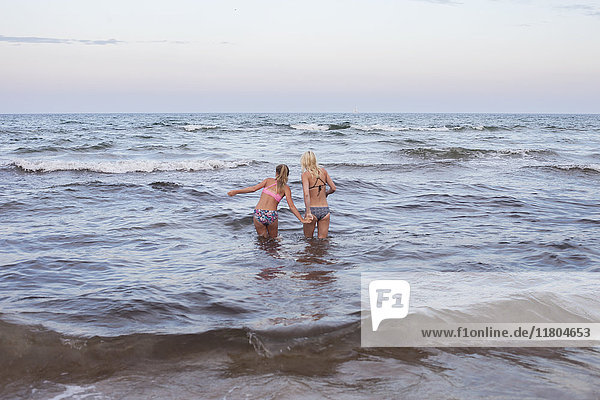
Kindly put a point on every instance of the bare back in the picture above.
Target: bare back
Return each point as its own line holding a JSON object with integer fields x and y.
{"x": 267, "y": 202}
{"x": 317, "y": 187}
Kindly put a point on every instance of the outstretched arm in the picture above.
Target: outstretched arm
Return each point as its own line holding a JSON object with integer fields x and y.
{"x": 306, "y": 192}
{"x": 249, "y": 189}
{"x": 293, "y": 209}
{"x": 329, "y": 181}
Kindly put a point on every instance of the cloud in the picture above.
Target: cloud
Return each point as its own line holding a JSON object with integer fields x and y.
{"x": 100, "y": 42}
{"x": 46, "y": 40}
{"x": 584, "y": 8}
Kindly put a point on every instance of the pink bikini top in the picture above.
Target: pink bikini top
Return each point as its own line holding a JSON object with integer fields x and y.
{"x": 274, "y": 195}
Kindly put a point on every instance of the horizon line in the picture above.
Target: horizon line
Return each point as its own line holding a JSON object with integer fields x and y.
{"x": 301, "y": 112}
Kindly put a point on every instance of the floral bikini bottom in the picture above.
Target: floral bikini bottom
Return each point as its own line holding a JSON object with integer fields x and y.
{"x": 265, "y": 217}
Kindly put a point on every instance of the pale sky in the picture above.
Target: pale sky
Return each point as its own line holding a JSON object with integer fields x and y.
{"x": 300, "y": 56}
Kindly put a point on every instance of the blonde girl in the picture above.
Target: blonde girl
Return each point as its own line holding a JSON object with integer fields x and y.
{"x": 315, "y": 180}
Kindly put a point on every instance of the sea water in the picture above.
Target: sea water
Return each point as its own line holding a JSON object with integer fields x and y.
{"x": 127, "y": 272}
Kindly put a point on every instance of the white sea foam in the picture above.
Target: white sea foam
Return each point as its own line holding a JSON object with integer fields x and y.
{"x": 193, "y": 128}
{"x": 442, "y": 128}
{"x": 124, "y": 166}
{"x": 389, "y": 128}
{"x": 310, "y": 127}
{"x": 376, "y": 127}
{"x": 75, "y": 392}
{"x": 429, "y": 129}
{"x": 425, "y": 129}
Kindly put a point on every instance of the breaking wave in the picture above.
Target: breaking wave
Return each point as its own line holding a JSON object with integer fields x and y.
{"x": 194, "y": 128}
{"x": 390, "y": 128}
{"x": 586, "y": 168}
{"x": 35, "y": 352}
{"x": 465, "y": 153}
{"x": 125, "y": 166}
{"x": 321, "y": 127}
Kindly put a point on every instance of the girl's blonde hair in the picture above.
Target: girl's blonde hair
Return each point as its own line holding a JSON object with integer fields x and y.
{"x": 309, "y": 163}
{"x": 281, "y": 174}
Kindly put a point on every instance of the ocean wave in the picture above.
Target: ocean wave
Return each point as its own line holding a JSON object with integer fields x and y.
{"x": 125, "y": 166}
{"x": 377, "y": 166}
{"x": 555, "y": 128}
{"x": 159, "y": 123}
{"x": 375, "y": 127}
{"x": 157, "y": 147}
{"x": 11, "y": 205}
{"x": 534, "y": 153}
{"x": 451, "y": 128}
{"x": 458, "y": 153}
{"x": 42, "y": 149}
{"x": 194, "y": 128}
{"x": 391, "y": 128}
{"x": 165, "y": 186}
{"x": 52, "y": 149}
{"x": 321, "y": 127}
{"x": 35, "y": 352}
{"x": 490, "y": 128}
{"x": 586, "y": 168}
{"x": 97, "y": 146}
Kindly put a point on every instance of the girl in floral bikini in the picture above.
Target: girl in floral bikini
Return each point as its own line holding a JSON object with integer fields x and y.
{"x": 265, "y": 213}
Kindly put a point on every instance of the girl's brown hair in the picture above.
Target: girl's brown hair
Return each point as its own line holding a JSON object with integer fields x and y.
{"x": 281, "y": 174}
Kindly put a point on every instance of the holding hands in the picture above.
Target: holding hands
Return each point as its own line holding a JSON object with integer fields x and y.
{"x": 308, "y": 218}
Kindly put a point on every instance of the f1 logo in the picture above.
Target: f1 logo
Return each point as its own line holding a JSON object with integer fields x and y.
{"x": 389, "y": 299}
